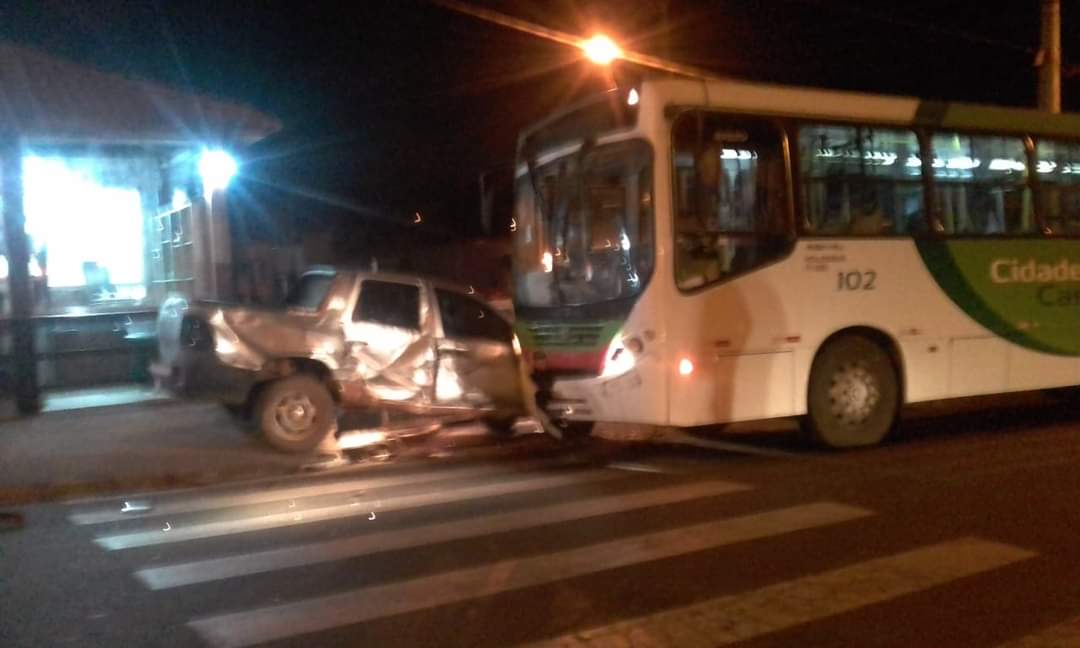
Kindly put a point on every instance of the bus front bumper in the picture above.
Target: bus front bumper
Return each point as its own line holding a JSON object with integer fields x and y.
{"x": 636, "y": 396}
{"x": 569, "y": 409}
{"x": 568, "y": 400}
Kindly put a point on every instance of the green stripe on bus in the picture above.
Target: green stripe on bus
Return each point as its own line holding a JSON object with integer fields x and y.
{"x": 965, "y": 116}
{"x": 1026, "y": 291}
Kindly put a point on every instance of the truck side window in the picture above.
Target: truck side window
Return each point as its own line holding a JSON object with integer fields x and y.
{"x": 389, "y": 303}
{"x": 310, "y": 292}
{"x": 463, "y": 317}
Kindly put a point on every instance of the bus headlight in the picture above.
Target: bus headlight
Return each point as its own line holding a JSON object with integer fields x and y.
{"x": 686, "y": 366}
{"x": 620, "y": 356}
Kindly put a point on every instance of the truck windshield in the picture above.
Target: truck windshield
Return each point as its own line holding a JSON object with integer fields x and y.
{"x": 309, "y": 292}
{"x": 584, "y": 226}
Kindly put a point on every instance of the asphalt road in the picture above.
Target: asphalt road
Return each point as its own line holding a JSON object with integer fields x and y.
{"x": 965, "y": 531}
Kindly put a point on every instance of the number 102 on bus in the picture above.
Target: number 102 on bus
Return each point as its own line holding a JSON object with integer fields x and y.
{"x": 856, "y": 279}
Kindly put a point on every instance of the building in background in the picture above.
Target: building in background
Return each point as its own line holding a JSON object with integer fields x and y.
{"x": 113, "y": 198}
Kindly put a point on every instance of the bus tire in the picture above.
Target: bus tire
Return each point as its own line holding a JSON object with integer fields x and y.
{"x": 1063, "y": 395}
{"x": 295, "y": 413}
{"x": 501, "y": 427}
{"x": 575, "y": 430}
{"x": 854, "y": 394}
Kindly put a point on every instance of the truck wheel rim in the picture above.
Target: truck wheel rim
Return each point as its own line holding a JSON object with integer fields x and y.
{"x": 295, "y": 413}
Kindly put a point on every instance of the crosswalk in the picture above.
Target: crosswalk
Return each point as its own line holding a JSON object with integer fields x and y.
{"x": 806, "y": 599}
{"x": 636, "y": 517}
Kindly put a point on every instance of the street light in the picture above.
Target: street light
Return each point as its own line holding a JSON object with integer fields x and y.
{"x": 601, "y": 50}
{"x": 217, "y": 168}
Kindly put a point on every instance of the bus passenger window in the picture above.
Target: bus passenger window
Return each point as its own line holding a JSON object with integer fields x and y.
{"x": 731, "y": 197}
{"x": 1058, "y": 171}
{"x": 860, "y": 181}
{"x": 980, "y": 184}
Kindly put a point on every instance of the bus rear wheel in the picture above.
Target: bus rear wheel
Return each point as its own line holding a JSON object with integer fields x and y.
{"x": 854, "y": 394}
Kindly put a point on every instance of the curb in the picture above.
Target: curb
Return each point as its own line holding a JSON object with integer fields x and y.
{"x": 45, "y": 493}
{"x": 55, "y": 492}
{"x": 407, "y": 459}
{"x": 149, "y": 403}
{"x": 119, "y": 408}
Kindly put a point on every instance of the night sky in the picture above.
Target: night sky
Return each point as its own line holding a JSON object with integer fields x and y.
{"x": 391, "y": 106}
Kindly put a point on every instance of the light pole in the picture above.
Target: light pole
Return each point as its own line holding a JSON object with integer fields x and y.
{"x": 1049, "y": 59}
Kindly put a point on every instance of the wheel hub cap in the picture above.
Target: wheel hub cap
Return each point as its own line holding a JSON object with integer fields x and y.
{"x": 854, "y": 394}
{"x": 295, "y": 413}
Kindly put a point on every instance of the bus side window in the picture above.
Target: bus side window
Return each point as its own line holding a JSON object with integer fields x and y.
{"x": 981, "y": 184}
{"x": 860, "y": 181}
{"x": 730, "y": 196}
{"x": 1059, "y": 185}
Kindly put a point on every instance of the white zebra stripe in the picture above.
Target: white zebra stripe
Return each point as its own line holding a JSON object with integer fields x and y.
{"x": 730, "y": 619}
{"x": 195, "y": 501}
{"x": 319, "y": 552}
{"x": 369, "y": 506}
{"x": 1062, "y": 635}
{"x": 356, "y": 606}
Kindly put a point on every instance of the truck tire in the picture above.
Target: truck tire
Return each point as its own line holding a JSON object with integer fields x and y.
{"x": 239, "y": 414}
{"x": 296, "y": 413}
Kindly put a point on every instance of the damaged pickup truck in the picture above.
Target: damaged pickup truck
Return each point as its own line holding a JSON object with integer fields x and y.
{"x": 344, "y": 339}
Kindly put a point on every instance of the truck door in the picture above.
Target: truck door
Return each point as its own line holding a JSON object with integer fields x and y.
{"x": 390, "y": 343}
{"x": 477, "y": 365}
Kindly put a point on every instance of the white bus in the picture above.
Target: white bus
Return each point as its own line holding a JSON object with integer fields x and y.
{"x": 695, "y": 252}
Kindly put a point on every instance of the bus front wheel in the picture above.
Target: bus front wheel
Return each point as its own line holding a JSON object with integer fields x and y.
{"x": 573, "y": 431}
{"x": 854, "y": 394}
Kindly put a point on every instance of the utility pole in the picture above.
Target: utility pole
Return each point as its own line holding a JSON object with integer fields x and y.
{"x": 665, "y": 25}
{"x": 1049, "y": 58}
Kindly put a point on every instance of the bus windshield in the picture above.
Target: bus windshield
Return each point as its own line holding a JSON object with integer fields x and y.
{"x": 584, "y": 226}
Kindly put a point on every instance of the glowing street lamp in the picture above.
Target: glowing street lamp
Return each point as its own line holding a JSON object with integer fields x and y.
{"x": 601, "y": 50}
{"x": 217, "y": 168}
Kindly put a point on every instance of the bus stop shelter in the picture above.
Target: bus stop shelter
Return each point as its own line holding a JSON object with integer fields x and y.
{"x": 112, "y": 197}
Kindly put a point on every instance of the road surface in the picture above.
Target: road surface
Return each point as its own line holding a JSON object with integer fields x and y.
{"x": 962, "y": 532}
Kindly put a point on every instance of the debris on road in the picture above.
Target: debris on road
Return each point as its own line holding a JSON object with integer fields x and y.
{"x": 11, "y": 521}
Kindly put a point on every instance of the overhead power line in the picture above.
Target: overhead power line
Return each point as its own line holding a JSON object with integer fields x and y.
{"x": 936, "y": 30}
{"x": 1068, "y": 70}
